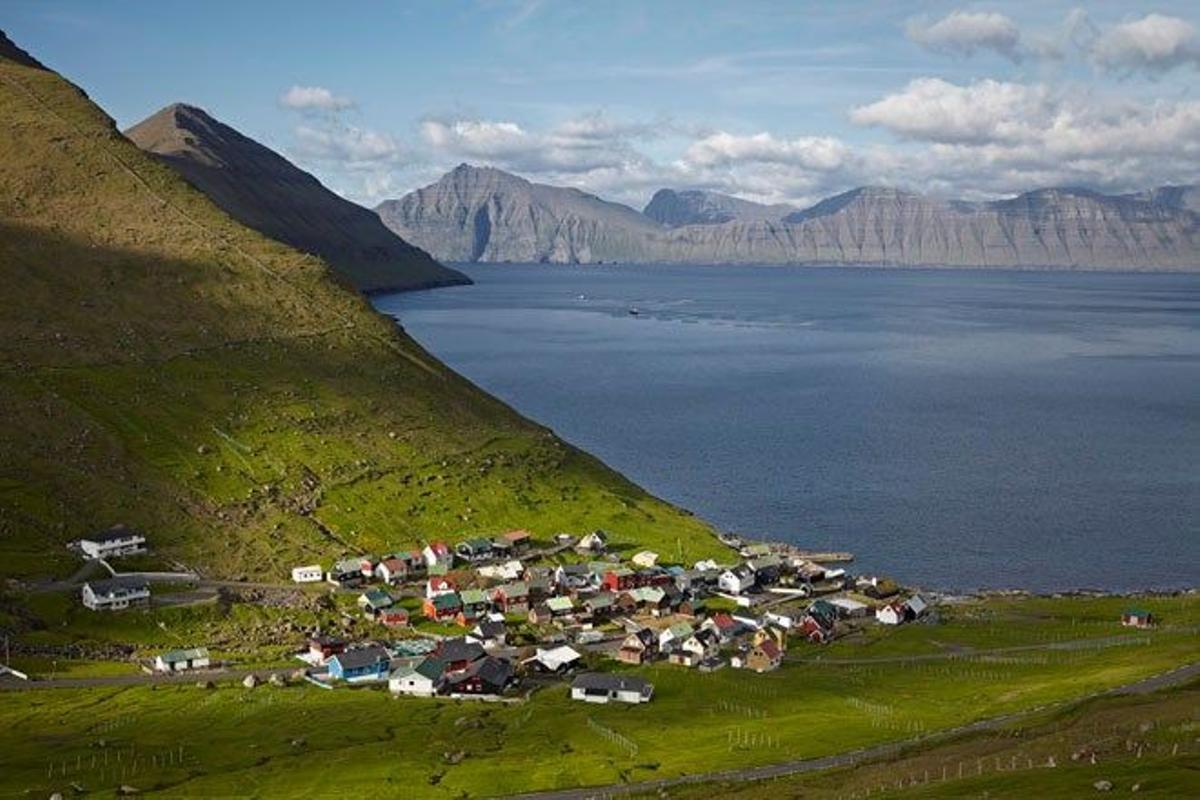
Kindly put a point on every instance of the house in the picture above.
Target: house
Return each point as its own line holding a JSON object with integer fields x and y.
{"x": 764, "y": 656}
{"x": 116, "y": 541}
{"x": 824, "y": 612}
{"x": 489, "y": 675}
{"x": 394, "y": 617}
{"x": 366, "y": 566}
{"x": 619, "y": 579}
{"x": 767, "y": 569}
{"x": 520, "y": 541}
{"x": 736, "y": 580}
{"x": 374, "y": 600}
{"x": 570, "y": 577}
{"x": 361, "y": 664}
{"x": 683, "y": 658}
{"x": 724, "y": 625}
{"x": 915, "y": 607}
{"x": 437, "y": 554}
{"x": 489, "y": 633}
{"x": 891, "y": 614}
{"x": 323, "y": 648}
{"x": 815, "y": 629}
{"x": 755, "y": 550}
{"x": 809, "y": 572}
{"x": 392, "y": 570}
{"x": 555, "y": 659}
{"x": 785, "y": 621}
{"x": 475, "y": 604}
{"x": 446, "y": 605}
{"x": 1137, "y": 618}
{"x": 458, "y": 653}
{"x": 600, "y": 687}
{"x": 438, "y": 584}
{"x": 594, "y": 542}
{"x": 879, "y": 588}
{"x": 501, "y": 548}
{"x": 703, "y": 644}
{"x": 413, "y": 561}
{"x": 848, "y": 608}
{"x": 646, "y": 558}
{"x": 678, "y": 632}
{"x": 648, "y": 598}
{"x": 512, "y": 598}
{"x": 180, "y": 660}
{"x": 553, "y": 608}
{"x": 600, "y": 605}
{"x": 347, "y": 572}
{"x": 311, "y": 573}
{"x": 423, "y": 679}
{"x": 115, "y": 594}
{"x": 508, "y": 571}
{"x": 474, "y": 550}
{"x": 638, "y": 647}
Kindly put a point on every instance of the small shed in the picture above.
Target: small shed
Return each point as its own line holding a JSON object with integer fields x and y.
{"x": 180, "y": 660}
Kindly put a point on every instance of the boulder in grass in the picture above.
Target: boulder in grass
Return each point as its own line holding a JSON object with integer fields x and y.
{"x": 1102, "y": 786}
{"x": 277, "y": 680}
{"x": 250, "y": 681}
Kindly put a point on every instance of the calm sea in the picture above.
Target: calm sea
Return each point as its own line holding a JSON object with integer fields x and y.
{"x": 955, "y": 429}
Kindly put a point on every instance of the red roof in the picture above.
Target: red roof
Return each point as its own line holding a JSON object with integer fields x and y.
{"x": 516, "y": 536}
{"x": 393, "y": 564}
{"x": 441, "y": 548}
{"x": 770, "y": 649}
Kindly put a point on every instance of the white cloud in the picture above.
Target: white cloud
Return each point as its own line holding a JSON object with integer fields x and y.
{"x": 964, "y": 33}
{"x": 1154, "y": 43}
{"x": 347, "y": 145}
{"x": 936, "y": 110}
{"x": 304, "y": 98}
{"x": 821, "y": 153}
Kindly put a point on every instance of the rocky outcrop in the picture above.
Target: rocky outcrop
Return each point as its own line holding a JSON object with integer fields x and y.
{"x": 264, "y": 191}
{"x": 483, "y": 214}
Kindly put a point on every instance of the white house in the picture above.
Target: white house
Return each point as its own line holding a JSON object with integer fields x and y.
{"x": 438, "y": 553}
{"x": 785, "y": 621}
{"x": 555, "y": 659}
{"x": 422, "y": 680}
{"x": 179, "y": 660}
{"x": 116, "y": 541}
{"x": 594, "y": 542}
{"x": 508, "y": 571}
{"x": 311, "y": 573}
{"x": 599, "y": 687}
{"x": 646, "y": 559}
{"x": 891, "y": 614}
{"x": 736, "y": 580}
{"x": 115, "y": 594}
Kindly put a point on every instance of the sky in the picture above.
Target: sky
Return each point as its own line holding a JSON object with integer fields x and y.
{"x": 772, "y": 101}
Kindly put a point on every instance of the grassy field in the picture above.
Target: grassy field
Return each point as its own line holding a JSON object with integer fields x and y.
{"x": 238, "y": 741}
{"x": 165, "y": 367}
{"x": 1147, "y": 741}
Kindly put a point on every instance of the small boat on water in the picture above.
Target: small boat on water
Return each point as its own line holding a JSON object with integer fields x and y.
{"x": 633, "y": 312}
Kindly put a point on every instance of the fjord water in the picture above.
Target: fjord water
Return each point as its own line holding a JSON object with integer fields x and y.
{"x": 960, "y": 429}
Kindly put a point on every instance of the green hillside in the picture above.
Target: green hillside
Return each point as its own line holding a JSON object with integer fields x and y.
{"x": 166, "y": 367}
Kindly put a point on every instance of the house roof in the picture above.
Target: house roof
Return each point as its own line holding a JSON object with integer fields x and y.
{"x": 477, "y": 543}
{"x": 361, "y": 657}
{"x": 610, "y": 682}
{"x": 518, "y": 535}
{"x": 600, "y": 600}
{"x": 348, "y": 565}
{"x": 444, "y": 601}
{"x": 490, "y": 629}
{"x": 119, "y": 585}
{"x": 560, "y": 603}
{"x": 768, "y": 648}
{"x": 647, "y": 594}
{"x": 917, "y": 604}
{"x": 473, "y": 597}
{"x": 491, "y": 670}
{"x": 393, "y": 564}
{"x": 113, "y": 534}
{"x": 514, "y": 589}
{"x": 376, "y": 598}
{"x": 556, "y": 657}
{"x": 185, "y": 654}
{"x": 460, "y": 649}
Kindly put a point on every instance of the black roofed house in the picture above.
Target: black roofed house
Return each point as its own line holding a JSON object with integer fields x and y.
{"x": 458, "y": 653}
{"x": 116, "y": 541}
{"x": 115, "y": 594}
{"x": 322, "y": 648}
{"x": 488, "y": 675}
{"x": 347, "y": 572}
{"x": 478, "y": 549}
{"x": 915, "y": 607}
{"x": 489, "y": 633}
{"x": 423, "y": 679}
{"x": 601, "y": 687}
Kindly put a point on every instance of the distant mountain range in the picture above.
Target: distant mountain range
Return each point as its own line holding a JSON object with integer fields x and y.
{"x": 262, "y": 190}
{"x": 485, "y": 214}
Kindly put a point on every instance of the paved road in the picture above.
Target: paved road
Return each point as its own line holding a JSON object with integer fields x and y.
{"x": 853, "y": 757}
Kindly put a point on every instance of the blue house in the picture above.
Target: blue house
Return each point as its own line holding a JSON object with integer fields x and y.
{"x": 363, "y": 664}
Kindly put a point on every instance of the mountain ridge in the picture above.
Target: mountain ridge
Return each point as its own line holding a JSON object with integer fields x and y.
{"x": 463, "y": 218}
{"x": 262, "y": 189}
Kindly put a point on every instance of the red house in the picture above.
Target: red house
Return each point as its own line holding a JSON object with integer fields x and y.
{"x": 443, "y": 606}
{"x": 392, "y": 617}
{"x": 325, "y": 647}
{"x": 620, "y": 580}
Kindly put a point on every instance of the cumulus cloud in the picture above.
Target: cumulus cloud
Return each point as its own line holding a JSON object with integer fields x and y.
{"x": 1154, "y": 43}
{"x": 314, "y": 98}
{"x": 937, "y": 110}
{"x": 347, "y": 145}
{"x": 821, "y": 153}
{"x": 965, "y": 33}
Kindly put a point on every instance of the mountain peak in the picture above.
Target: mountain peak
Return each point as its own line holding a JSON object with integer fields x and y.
{"x": 675, "y": 208}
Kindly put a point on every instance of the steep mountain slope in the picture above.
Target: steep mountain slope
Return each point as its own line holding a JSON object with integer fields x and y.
{"x": 695, "y": 207}
{"x": 165, "y": 366}
{"x": 263, "y": 190}
{"x": 485, "y": 214}
{"x": 1048, "y": 228}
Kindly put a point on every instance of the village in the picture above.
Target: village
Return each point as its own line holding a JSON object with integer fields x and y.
{"x": 487, "y": 616}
